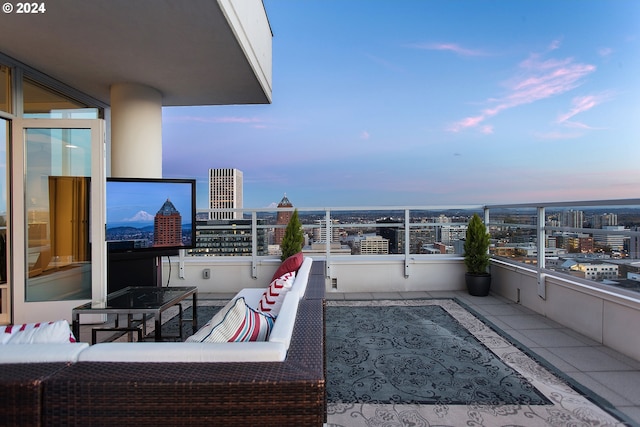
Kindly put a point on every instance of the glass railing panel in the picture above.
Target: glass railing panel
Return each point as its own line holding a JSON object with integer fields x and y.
{"x": 513, "y": 234}
{"x": 439, "y": 231}
{"x": 366, "y": 232}
{"x": 361, "y": 231}
{"x": 595, "y": 241}
{"x": 601, "y": 243}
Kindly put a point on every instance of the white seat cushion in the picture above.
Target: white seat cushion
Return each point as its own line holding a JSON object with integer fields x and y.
{"x": 41, "y": 353}
{"x": 150, "y": 352}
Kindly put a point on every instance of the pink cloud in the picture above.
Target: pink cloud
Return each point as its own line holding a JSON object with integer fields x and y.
{"x": 605, "y": 51}
{"x": 236, "y": 120}
{"x": 467, "y": 123}
{"x": 537, "y": 80}
{"x": 580, "y": 105}
{"x": 228, "y": 119}
{"x": 451, "y": 47}
{"x": 487, "y": 129}
{"x": 554, "y": 45}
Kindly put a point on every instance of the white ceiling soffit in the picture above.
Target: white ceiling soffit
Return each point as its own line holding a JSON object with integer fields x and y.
{"x": 195, "y": 52}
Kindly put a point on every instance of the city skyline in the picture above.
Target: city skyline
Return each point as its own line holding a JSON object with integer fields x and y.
{"x": 422, "y": 103}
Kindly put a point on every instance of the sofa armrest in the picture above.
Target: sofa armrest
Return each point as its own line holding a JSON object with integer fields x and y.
{"x": 302, "y": 277}
{"x": 285, "y": 322}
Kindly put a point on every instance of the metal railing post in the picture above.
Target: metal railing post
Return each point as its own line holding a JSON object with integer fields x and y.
{"x": 254, "y": 244}
{"x": 327, "y": 217}
{"x": 407, "y": 245}
{"x": 541, "y": 237}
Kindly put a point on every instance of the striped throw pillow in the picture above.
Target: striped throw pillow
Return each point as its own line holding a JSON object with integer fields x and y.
{"x": 241, "y": 323}
{"x": 272, "y": 298}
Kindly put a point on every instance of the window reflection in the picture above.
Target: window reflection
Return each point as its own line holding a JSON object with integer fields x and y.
{"x": 58, "y": 167}
{"x": 5, "y": 89}
{"x": 41, "y": 102}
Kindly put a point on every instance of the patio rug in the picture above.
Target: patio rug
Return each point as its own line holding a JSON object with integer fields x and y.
{"x": 432, "y": 362}
{"x": 415, "y": 354}
{"x": 461, "y": 341}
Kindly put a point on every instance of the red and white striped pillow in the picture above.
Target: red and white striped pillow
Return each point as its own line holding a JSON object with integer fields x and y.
{"x": 38, "y": 333}
{"x": 240, "y": 323}
{"x": 272, "y": 298}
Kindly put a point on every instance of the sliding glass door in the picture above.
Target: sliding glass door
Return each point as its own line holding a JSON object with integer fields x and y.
{"x": 59, "y": 212}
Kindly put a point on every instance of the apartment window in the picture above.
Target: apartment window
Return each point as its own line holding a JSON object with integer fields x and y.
{"x": 5, "y": 88}
{"x": 41, "y": 102}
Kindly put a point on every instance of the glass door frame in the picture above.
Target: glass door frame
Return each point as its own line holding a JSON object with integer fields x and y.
{"x": 5, "y": 288}
{"x": 27, "y": 312}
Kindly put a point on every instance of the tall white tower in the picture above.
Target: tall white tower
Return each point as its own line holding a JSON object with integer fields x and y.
{"x": 225, "y": 192}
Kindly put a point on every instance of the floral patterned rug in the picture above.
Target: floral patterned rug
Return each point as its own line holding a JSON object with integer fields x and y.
{"x": 453, "y": 378}
{"x": 415, "y": 354}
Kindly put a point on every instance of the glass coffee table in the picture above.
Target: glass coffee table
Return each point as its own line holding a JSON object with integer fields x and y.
{"x": 145, "y": 300}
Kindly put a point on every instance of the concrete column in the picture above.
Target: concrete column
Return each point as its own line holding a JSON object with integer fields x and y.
{"x": 136, "y": 131}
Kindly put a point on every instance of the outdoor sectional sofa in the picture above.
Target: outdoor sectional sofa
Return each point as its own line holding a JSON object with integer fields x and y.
{"x": 190, "y": 392}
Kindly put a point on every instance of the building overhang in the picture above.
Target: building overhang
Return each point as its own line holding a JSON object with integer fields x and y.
{"x": 196, "y": 52}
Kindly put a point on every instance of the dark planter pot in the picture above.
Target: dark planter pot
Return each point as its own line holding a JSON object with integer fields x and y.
{"x": 478, "y": 285}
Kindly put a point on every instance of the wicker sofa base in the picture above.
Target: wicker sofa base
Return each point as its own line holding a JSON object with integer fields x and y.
{"x": 21, "y": 386}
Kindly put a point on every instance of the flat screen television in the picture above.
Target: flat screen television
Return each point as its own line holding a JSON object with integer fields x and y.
{"x": 150, "y": 215}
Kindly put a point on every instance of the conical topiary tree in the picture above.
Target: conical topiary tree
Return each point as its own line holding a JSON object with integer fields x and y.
{"x": 476, "y": 246}
{"x": 293, "y": 238}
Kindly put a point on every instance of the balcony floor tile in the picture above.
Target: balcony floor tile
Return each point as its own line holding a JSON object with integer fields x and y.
{"x": 590, "y": 359}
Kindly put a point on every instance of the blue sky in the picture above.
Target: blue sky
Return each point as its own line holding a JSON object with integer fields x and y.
{"x": 408, "y": 102}
{"x": 140, "y": 201}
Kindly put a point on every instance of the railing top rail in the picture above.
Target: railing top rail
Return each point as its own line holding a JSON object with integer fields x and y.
{"x": 614, "y": 202}
{"x": 349, "y": 208}
{"x": 575, "y": 203}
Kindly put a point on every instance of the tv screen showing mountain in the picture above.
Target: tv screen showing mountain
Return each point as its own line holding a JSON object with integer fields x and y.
{"x": 150, "y": 214}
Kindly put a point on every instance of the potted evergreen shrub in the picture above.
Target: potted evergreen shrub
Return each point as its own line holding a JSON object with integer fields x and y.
{"x": 476, "y": 258}
{"x": 293, "y": 238}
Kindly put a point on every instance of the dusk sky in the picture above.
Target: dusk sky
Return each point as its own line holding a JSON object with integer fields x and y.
{"x": 407, "y": 102}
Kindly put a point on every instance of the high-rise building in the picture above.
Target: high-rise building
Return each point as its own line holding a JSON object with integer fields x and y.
{"x": 573, "y": 219}
{"x": 391, "y": 233}
{"x": 604, "y": 220}
{"x": 225, "y": 192}
{"x": 320, "y": 231}
{"x": 167, "y": 226}
{"x": 372, "y": 245}
{"x": 613, "y": 241}
{"x": 634, "y": 245}
{"x": 228, "y": 238}
{"x": 282, "y": 219}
